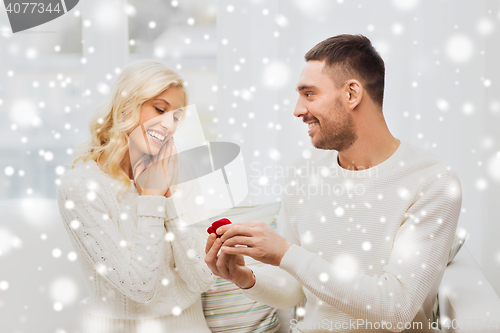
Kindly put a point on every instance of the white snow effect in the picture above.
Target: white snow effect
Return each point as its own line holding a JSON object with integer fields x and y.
{"x": 367, "y": 246}
{"x": 347, "y": 267}
{"x": 130, "y": 10}
{"x": 494, "y": 107}
{"x": 56, "y": 253}
{"x": 246, "y": 95}
{"x": 481, "y": 184}
{"x": 302, "y": 311}
{"x": 33, "y": 208}
{"x": 306, "y": 153}
{"x": 60, "y": 170}
{"x": 153, "y": 326}
{"x": 72, "y": 256}
{"x": 48, "y": 156}
{"x": 404, "y": 193}
{"x": 382, "y": 47}
{"x": 9, "y": 171}
{"x": 405, "y": 5}
{"x": 75, "y": 224}
{"x": 176, "y": 311}
{"x": 64, "y": 290}
{"x": 397, "y": 29}
{"x": 459, "y": 49}
{"x": 306, "y": 238}
{"x": 468, "y": 108}
{"x": 101, "y": 269}
{"x": 442, "y": 104}
{"x": 313, "y": 8}
{"x": 103, "y": 88}
{"x": 263, "y": 181}
{"x": 200, "y": 200}
{"x": 487, "y": 143}
{"x": 274, "y": 154}
{"x": 275, "y": 75}
{"x": 494, "y": 167}
{"x": 191, "y": 254}
{"x": 106, "y": 16}
{"x": 281, "y": 20}
{"x": 4, "y": 285}
{"x": 91, "y": 195}
{"x": 323, "y": 277}
{"x": 485, "y": 26}
{"x": 8, "y": 241}
{"x": 339, "y": 211}
{"x": 24, "y": 113}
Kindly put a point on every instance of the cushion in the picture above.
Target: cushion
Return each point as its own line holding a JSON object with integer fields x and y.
{"x": 225, "y": 307}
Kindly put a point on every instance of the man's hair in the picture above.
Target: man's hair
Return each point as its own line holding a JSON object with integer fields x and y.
{"x": 352, "y": 56}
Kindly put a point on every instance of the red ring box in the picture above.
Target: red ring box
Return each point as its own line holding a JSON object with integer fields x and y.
{"x": 219, "y": 223}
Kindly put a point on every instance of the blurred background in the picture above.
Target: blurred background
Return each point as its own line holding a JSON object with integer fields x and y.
{"x": 241, "y": 60}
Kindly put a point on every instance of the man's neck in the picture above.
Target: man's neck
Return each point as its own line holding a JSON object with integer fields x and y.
{"x": 368, "y": 151}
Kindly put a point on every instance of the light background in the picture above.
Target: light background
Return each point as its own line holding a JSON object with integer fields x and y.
{"x": 241, "y": 60}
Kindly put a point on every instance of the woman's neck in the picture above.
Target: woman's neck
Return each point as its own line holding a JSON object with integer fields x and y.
{"x": 125, "y": 165}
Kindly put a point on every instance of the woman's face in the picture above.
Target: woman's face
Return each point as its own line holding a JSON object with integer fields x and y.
{"x": 159, "y": 117}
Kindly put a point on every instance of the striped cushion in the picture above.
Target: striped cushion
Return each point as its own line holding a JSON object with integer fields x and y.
{"x": 225, "y": 307}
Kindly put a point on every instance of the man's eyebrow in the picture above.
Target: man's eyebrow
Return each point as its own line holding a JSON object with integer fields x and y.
{"x": 304, "y": 87}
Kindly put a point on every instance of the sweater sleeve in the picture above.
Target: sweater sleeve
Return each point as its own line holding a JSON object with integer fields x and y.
{"x": 273, "y": 285}
{"x": 187, "y": 226}
{"x": 418, "y": 257}
{"x": 134, "y": 270}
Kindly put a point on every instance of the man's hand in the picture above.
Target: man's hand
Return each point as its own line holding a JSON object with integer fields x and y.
{"x": 262, "y": 242}
{"x": 228, "y": 266}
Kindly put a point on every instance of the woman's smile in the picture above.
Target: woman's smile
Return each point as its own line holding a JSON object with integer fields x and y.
{"x": 156, "y": 136}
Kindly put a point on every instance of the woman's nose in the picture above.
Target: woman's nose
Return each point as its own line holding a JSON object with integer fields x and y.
{"x": 167, "y": 121}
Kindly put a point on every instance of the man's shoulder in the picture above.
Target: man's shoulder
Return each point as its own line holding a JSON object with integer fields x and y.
{"x": 425, "y": 164}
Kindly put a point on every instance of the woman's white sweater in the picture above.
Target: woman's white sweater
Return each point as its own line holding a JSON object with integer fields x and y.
{"x": 137, "y": 261}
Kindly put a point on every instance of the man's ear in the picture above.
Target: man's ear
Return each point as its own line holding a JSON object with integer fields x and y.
{"x": 354, "y": 92}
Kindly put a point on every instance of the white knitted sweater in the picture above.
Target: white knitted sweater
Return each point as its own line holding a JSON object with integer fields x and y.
{"x": 368, "y": 246}
{"x": 136, "y": 261}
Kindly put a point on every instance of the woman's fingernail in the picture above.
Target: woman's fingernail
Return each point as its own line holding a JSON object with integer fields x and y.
{"x": 219, "y": 231}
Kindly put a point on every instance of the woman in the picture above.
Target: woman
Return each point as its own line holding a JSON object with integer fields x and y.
{"x": 144, "y": 272}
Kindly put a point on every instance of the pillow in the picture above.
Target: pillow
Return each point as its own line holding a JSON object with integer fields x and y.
{"x": 225, "y": 307}
{"x": 458, "y": 241}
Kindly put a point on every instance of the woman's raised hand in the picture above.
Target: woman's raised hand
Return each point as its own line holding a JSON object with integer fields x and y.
{"x": 160, "y": 177}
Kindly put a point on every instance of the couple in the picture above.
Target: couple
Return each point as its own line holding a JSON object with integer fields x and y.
{"x": 368, "y": 260}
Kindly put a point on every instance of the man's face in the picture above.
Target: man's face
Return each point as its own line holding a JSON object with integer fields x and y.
{"x": 330, "y": 124}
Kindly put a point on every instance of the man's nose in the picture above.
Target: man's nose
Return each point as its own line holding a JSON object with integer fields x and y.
{"x": 300, "y": 110}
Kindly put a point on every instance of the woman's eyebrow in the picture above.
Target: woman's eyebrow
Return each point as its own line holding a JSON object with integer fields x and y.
{"x": 163, "y": 100}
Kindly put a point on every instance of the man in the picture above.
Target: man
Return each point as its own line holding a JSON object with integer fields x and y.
{"x": 369, "y": 250}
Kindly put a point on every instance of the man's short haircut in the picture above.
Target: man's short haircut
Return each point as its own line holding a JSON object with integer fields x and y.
{"x": 353, "y": 57}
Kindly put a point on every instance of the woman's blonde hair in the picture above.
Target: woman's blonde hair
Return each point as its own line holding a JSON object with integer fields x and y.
{"x": 111, "y": 124}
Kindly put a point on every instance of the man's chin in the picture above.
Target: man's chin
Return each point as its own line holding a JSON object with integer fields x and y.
{"x": 321, "y": 145}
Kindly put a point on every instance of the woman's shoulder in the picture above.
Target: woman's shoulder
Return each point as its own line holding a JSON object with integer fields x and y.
{"x": 83, "y": 175}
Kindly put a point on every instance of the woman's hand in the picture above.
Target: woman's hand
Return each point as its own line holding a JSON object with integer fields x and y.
{"x": 228, "y": 266}
{"x": 160, "y": 177}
